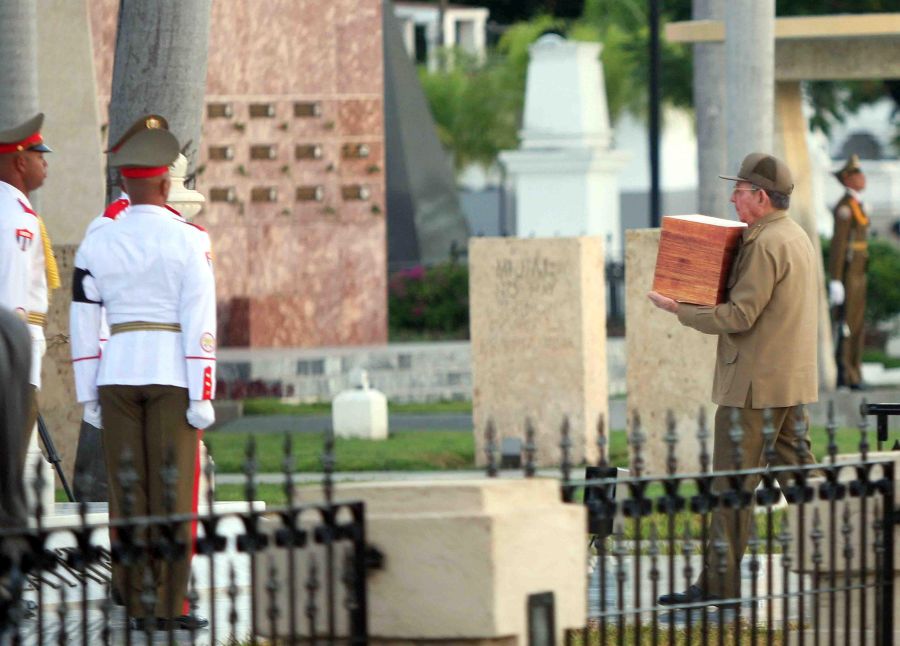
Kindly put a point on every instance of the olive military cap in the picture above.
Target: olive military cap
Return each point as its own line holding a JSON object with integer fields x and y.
{"x": 146, "y": 122}
{"x": 25, "y": 136}
{"x": 765, "y": 171}
{"x": 851, "y": 166}
{"x": 146, "y": 154}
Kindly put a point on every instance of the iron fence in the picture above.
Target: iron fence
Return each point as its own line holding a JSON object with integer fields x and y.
{"x": 820, "y": 563}
{"x": 292, "y": 573}
{"x": 819, "y": 567}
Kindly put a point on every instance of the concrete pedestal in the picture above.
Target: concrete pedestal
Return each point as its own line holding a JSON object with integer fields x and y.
{"x": 461, "y": 560}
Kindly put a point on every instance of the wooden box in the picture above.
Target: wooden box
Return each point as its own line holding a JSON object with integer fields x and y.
{"x": 695, "y": 254}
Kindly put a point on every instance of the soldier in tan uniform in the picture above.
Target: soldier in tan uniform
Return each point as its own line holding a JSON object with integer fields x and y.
{"x": 766, "y": 356}
{"x": 847, "y": 265}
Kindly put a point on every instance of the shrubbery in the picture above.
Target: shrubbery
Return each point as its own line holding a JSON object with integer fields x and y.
{"x": 429, "y": 303}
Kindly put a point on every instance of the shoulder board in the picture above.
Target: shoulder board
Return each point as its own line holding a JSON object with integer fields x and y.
{"x": 196, "y": 226}
{"x": 27, "y": 208}
{"x": 115, "y": 208}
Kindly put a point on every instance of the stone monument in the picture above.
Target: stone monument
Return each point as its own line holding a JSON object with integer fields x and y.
{"x": 538, "y": 338}
{"x": 462, "y": 560}
{"x": 564, "y": 175}
{"x": 670, "y": 366}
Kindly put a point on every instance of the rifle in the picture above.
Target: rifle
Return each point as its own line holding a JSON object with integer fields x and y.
{"x": 53, "y": 456}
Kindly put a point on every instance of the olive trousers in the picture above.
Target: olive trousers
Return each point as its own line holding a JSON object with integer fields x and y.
{"x": 150, "y": 451}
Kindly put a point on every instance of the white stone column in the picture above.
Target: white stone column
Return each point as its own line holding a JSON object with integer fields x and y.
{"x": 709, "y": 111}
{"x": 749, "y": 78}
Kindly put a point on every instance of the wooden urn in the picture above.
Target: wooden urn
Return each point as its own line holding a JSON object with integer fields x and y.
{"x": 695, "y": 255}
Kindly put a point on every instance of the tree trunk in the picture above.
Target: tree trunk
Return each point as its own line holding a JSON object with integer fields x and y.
{"x": 749, "y": 78}
{"x": 709, "y": 110}
{"x": 160, "y": 67}
{"x": 18, "y": 51}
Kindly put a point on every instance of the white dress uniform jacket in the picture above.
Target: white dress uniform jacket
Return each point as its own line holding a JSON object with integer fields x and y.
{"x": 116, "y": 210}
{"x": 23, "y": 277}
{"x": 149, "y": 267}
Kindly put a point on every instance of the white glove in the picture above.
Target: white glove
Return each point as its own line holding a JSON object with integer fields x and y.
{"x": 200, "y": 414}
{"x": 92, "y": 414}
{"x": 836, "y": 292}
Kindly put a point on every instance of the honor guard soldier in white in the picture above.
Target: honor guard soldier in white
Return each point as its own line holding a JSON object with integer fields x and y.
{"x": 155, "y": 378}
{"x": 115, "y": 210}
{"x": 27, "y": 266}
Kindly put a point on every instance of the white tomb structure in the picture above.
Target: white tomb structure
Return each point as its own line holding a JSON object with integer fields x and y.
{"x": 360, "y": 412}
{"x": 565, "y": 173}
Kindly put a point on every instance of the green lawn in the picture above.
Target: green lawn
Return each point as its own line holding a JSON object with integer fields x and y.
{"x": 274, "y": 406}
{"x": 417, "y": 450}
{"x": 877, "y": 356}
{"x": 402, "y": 451}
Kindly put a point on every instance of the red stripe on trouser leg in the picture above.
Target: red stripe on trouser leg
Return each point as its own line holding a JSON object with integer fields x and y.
{"x": 195, "y": 507}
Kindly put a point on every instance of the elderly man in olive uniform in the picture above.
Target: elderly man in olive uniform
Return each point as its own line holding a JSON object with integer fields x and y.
{"x": 766, "y": 357}
{"x": 847, "y": 265}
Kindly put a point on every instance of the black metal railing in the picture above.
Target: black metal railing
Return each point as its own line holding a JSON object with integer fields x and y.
{"x": 819, "y": 566}
{"x": 292, "y": 573}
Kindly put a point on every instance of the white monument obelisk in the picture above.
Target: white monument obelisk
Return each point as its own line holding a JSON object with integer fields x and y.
{"x": 564, "y": 175}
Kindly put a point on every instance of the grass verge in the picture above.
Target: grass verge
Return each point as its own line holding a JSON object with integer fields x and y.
{"x": 402, "y": 451}
{"x": 275, "y": 406}
{"x": 420, "y": 450}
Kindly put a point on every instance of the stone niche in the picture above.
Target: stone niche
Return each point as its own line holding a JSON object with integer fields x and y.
{"x": 670, "y": 366}
{"x": 538, "y": 338}
{"x": 461, "y": 560}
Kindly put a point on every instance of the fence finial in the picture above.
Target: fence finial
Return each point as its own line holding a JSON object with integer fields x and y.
{"x": 702, "y": 437}
{"x": 529, "y": 448}
{"x": 490, "y": 448}
{"x": 602, "y": 442}
{"x": 831, "y": 428}
{"x": 671, "y": 440}
{"x": 863, "y": 431}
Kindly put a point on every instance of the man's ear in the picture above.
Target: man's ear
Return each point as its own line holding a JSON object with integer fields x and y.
{"x": 19, "y": 163}
{"x": 164, "y": 187}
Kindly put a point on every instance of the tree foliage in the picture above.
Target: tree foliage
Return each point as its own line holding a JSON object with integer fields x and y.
{"x": 478, "y": 107}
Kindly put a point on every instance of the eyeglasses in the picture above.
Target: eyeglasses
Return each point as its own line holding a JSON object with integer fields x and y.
{"x": 752, "y": 190}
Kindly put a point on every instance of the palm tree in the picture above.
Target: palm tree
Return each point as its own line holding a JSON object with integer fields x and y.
{"x": 18, "y": 51}
{"x": 160, "y": 66}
